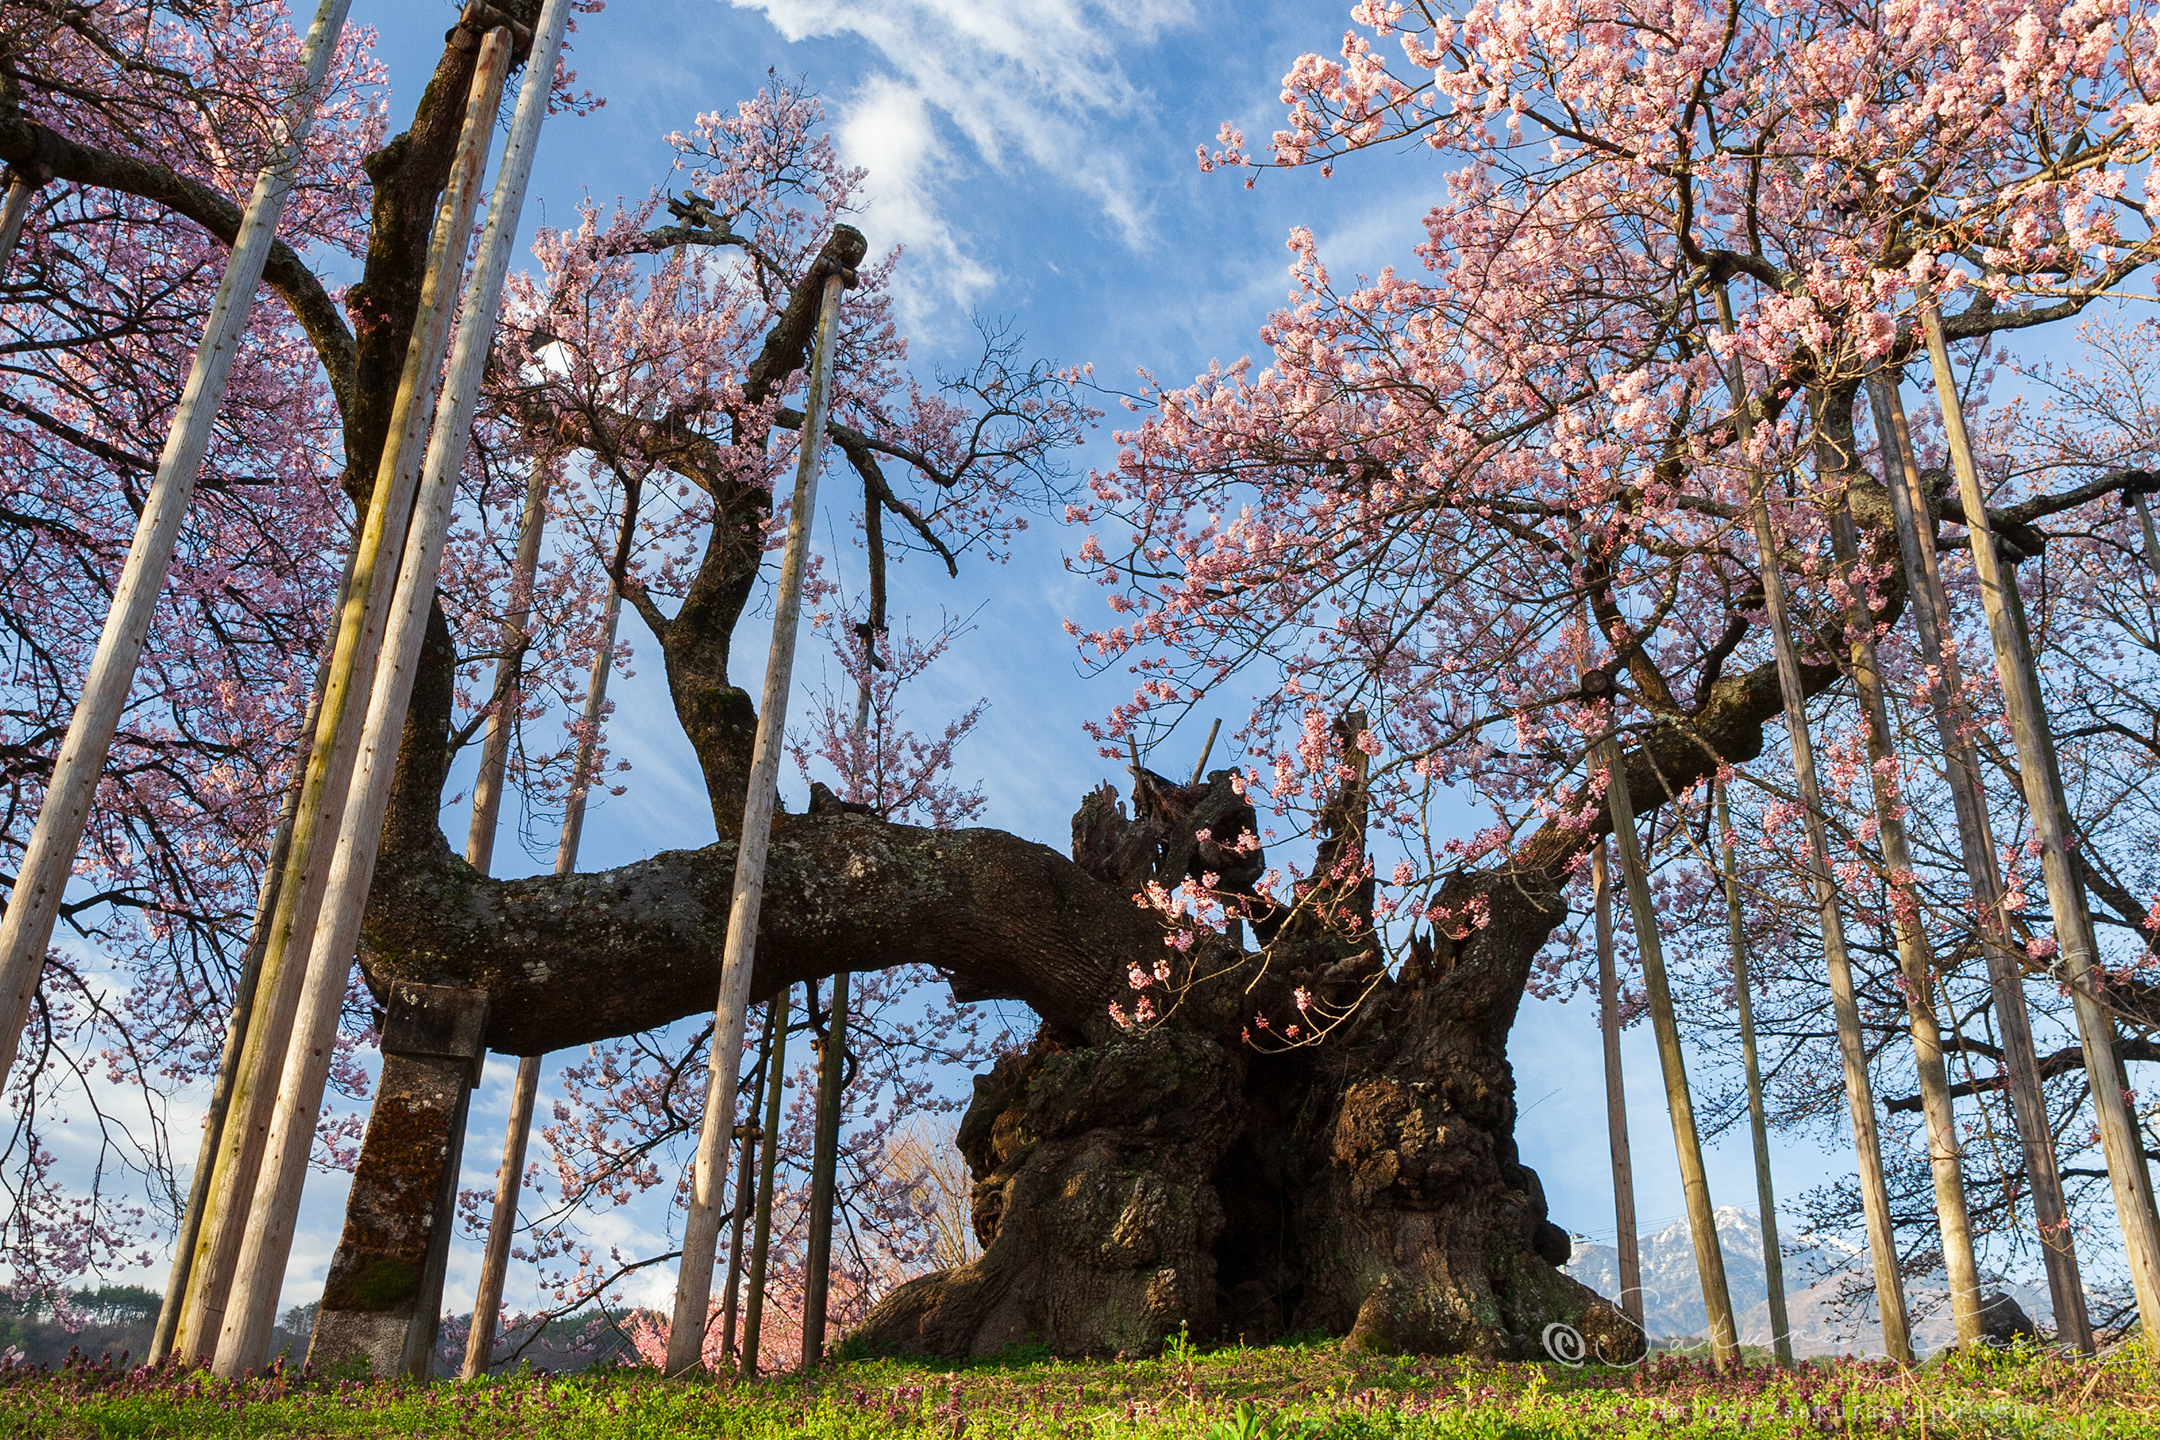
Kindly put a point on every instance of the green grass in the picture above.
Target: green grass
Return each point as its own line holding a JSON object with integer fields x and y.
{"x": 1290, "y": 1392}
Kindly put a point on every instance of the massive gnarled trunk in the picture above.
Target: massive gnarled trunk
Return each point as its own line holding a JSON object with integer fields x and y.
{"x": 1128, "y": 1184}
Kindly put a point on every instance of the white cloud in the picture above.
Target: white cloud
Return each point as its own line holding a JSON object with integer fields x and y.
{"x": 1031, "y": 84}
{"x": 888, "y": 131}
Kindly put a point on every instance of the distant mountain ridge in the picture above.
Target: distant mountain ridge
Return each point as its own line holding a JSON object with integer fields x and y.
{"x": 1672, "y": 1295}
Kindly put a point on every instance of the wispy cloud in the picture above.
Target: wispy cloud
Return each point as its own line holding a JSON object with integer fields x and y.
{"x": 1021, "y": 85}
{"x": 889, "y": 131}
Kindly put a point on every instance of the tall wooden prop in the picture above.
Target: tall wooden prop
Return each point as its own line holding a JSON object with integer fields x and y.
{"x": 768, "y": 1164}
{"x": 1629, "y": 1238}
{"x": 49, "y": 861}
{"x": 16, "y": 208}
{"x": 2152, "y": 537}
{"x": 245, "y": 995}
{"x": 832, "y": 1056}
{"x": 524, "y": 1095}
{"x": 701, "y": 1225}
{"x": 1930, "y": 606}
{"x": 1859, "y": 1092}
{"x": 1665, "y": 1025}
{"x": 288, "y": 1104}
{"x": 824, "y": 1172}
{"x": 751, "y": 1135}
{"x": 363, "y": 610}
{"x": 480, "y": 854}
{"x": 508, "y": 689}
{"x": 1758, "y": 1118}
{"x": 502, "y": 1225}
{"x": 1679, "y": 1102}
{"x": 1916, "y": 960}
{"x": 2027, "y": 714}
{"x": 259, "y": 1272}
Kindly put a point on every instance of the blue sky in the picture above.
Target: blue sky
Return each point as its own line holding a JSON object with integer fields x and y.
{"x": 1036, "y": 159}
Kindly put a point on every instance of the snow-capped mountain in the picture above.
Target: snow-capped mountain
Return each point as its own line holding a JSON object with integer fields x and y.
{"x": 1672, "y": 1298}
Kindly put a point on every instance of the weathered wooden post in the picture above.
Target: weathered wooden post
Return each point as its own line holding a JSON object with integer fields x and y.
{"x": 1687, "y": 1140}
{"x": 1199, "y": 769}
{"x": 2027, "y": 714}
{"x": 263, "y": 1208}
{"x": 1930, "y": 606}
{"x": 824, "y": 1170}
{"x": 49, "y": 861}
{"x": 1859, "y": 1092}
{"x": 245, "y": 995}
{"x": 480, "y": 854}
{"x": 363, "y": 609}
{"x": 1916, "y": 958}
{"x": 502, "y": 1225}
{"x": 509, "y": 1177}
{"x": 508, "y": 688}
{"x": 1629, "y": 1238}
{"x": 768, "y": 1163}
{"x": 832, "y": 1056}
{"x": 20, "y": 192}
{"x": 2145, "y": 524}
{"x": 1606, "y": 755}
{"x": 750, "y": 1135}
{"x": 701, "y": 1223}
{"x": 259, "y": 1272}
{"x": 1758, "y": 1117}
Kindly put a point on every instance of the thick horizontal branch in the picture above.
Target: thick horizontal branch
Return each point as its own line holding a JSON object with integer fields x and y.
{"x": 2060, "y": 1062}
{"x": 31, "y": 146}
{"x": 573, "y": 959}
{"x": 2015, "y": 521}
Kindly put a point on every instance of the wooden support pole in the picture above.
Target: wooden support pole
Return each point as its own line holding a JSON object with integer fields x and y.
{"x": 1628, "y": 1234}
{"x": 259, "y": 1273}
{"x": 509, "y": 1178}
{"x": 49, "y": 860}
{"x": 1859, "y": 1091}
{"x": 1916, "y": 959}
{"x": 751, "y": 1137}
{"x": 596, "y": 687}
{"x": 363, "y": 607}
{"x": 1606, "y": 755}
{"x": 508, "y": 689}
{"x": 2152, "y": 538}
{"x": 824, "y": 1174}
{"x": 20, "y": 192}
{"x": 2051, "y": 823}
{"x": 701, "y": 1223}
{"x": 495, "y": 1260}
{"x": 1199, "y": 769}
{"x": 1930, "y": 606}
{"x": 245, "y": 996}
{"x": 1679, "y": 1103}
{"x": 768, "y": 1163}
{"x": 1758, "y": 1116}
